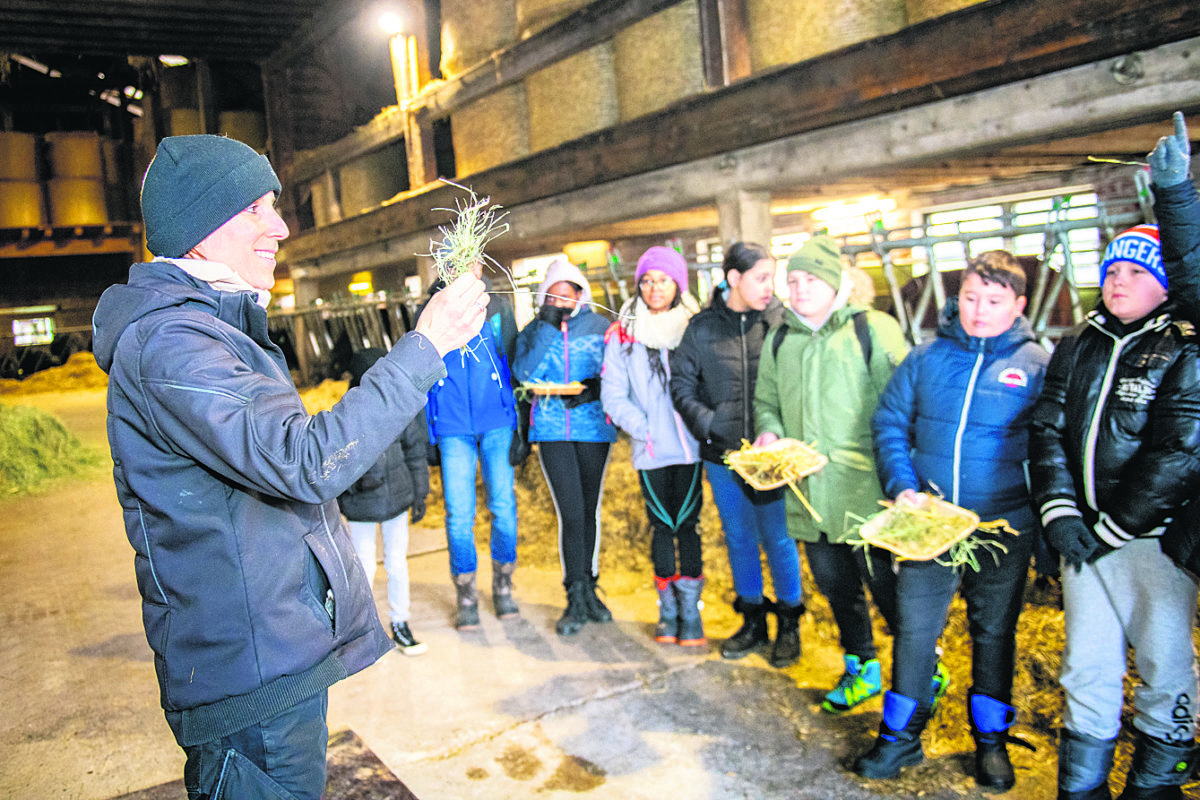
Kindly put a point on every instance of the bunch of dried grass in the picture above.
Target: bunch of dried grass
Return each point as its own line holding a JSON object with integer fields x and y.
{"x": 36, "y": 448}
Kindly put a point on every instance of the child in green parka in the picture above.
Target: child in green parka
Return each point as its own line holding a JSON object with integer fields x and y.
{"x": 819, "y": 379}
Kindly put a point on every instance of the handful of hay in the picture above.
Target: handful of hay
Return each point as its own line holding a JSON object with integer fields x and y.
{"x": 784, "y": 461}
{"x": 773, "y": 465}
{"x": 475, "y": 224}
{"x": 931, "y": 529}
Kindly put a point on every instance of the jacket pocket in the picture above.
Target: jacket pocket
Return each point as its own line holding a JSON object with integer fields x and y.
{"x": 318, "y": 593}
{"x": 242, "y": 780}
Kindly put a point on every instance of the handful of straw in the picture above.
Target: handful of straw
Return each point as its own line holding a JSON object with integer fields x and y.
{"x": 932, "y": 529}
{"x": 475, "y": 224}
{"x": 784, "y": 461}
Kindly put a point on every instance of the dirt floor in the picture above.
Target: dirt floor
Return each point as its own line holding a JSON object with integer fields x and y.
{"x": 83, "y": 717}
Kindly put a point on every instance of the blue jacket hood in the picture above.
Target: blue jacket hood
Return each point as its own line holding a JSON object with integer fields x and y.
{"x": 152, "y": 287}
{"x": 950, "y": 327}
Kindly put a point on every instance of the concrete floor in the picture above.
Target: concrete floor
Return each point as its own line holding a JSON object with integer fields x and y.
{"x": 506, "y": 712}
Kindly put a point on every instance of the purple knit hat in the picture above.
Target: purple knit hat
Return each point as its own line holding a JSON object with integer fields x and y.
{"x": 663, "y": 259}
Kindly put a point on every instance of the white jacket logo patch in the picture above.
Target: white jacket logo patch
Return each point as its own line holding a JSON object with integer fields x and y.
{"x": 1135, "y": 391}
{"x": 1014, "y": 377}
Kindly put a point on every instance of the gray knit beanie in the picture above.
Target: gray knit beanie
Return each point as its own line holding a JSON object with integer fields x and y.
{"x": 821, "y": 258}
{"x": 196, "y": 184}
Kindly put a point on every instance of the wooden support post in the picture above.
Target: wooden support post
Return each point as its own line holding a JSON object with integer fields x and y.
{"x": 724, "y": 41}
{"x": 744, "y": 216}
{"x": 206, "y": 100}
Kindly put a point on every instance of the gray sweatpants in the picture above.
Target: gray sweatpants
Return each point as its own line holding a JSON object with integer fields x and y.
{"x": 1132, "y": 596}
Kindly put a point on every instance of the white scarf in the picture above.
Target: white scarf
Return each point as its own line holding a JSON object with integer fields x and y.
{"x": 219, "y": 276}
{"x": 661, "y": 331}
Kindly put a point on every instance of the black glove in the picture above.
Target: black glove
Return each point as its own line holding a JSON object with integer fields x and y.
{"x": 1170, "y": 157}
{"x": 590, "y": 393}
{"x": 433, "y": 456}
{"x": 417, "y": 513}
{"x": 519, "y": 450}
{"x": 1072, "y": 539}
{"x": 552, "y": 314}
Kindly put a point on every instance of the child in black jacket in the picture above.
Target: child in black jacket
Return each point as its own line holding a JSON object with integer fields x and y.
{"x": 399, "y": 481}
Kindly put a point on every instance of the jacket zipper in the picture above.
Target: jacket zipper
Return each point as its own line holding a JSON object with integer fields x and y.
{"x": 566, "y": 373}
{"x": 747, "y": 427}
{"x": 1089, "y": 448}
{"x": 962, "y": 425}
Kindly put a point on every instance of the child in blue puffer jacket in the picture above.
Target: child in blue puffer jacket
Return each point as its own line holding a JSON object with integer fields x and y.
{"x": 952, "y": 421}
{"x": 565, "y": 344}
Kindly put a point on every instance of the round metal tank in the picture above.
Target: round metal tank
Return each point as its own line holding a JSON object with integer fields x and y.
{"x": 76, "y": 201}
{"x": 18, "y": 156}
{"x": 75, "y": 154}
{"x": 21, "y": 204}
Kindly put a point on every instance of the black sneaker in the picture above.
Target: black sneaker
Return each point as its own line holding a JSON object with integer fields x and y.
{"x": 406, "y": 641}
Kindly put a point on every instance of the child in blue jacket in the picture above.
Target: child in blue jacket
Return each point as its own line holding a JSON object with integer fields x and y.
{"x": 952, "y": 421}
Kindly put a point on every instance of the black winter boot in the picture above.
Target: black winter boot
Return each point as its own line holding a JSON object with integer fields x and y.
{"x": 787, "y": 634}
{"x": 1159, "y": 769}
{"x": 899, "y": 742}
{"x": 1083, "y": 766}
{"x": 990, "y": 721}
{"x": 753, "y": 633}
{"x": 596, "y": 610}
{"x": 576, "y": 614}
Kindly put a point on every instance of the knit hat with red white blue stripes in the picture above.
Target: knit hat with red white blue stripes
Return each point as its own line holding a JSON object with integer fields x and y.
{"x": 1140, "y": 246}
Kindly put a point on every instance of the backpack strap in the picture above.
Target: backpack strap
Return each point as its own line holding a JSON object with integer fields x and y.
{"x": 777, "y": 340}
{"x": 863, "y": 330}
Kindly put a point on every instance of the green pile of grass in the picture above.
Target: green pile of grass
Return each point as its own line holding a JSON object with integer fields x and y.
{"x": 35, "y": 448}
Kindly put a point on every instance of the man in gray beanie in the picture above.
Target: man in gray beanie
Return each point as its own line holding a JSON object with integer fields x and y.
{"x": 252, "y": 598}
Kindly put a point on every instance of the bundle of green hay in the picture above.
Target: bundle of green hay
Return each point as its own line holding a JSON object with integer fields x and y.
{"x": 35, "y": 448}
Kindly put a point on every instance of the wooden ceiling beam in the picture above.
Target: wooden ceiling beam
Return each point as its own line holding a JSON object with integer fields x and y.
{"x": 1065, "y": 103}
{"x": 926, "y": 63}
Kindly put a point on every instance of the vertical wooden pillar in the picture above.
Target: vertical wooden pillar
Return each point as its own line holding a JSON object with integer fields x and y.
{"x": 744, "y": 216}
{"x": 206, "y": 101}
{"x": 724, "y": 41}
{"x": 281, "y": 146}
{"x": 305, "y": 291}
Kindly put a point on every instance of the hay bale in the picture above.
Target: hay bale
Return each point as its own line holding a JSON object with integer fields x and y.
{"x": 474, "y": 29}
{"x": 921, "y": 10}
{"x": 491, "y": 131}
{"x": 657, "y": 61}
{"x": 537, "y": 15}
{"x": 36, "y": 448}
{"x": 369, "y": 180}
{"x": 787, "y": 31}
{"x": 571, "y": 98}
{"x": 79, "y": 373}
{"x": 324, "y": 396}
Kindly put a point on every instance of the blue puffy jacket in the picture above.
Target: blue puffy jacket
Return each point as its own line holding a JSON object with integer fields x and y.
{"x": 952, "y": 419}
{"x": 573, "y": 352}
{"x": 252, "y": 595}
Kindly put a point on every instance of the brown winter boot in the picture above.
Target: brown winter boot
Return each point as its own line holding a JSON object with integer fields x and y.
{"x": 502, "y": 594}
{"x": 467, "y": 615}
